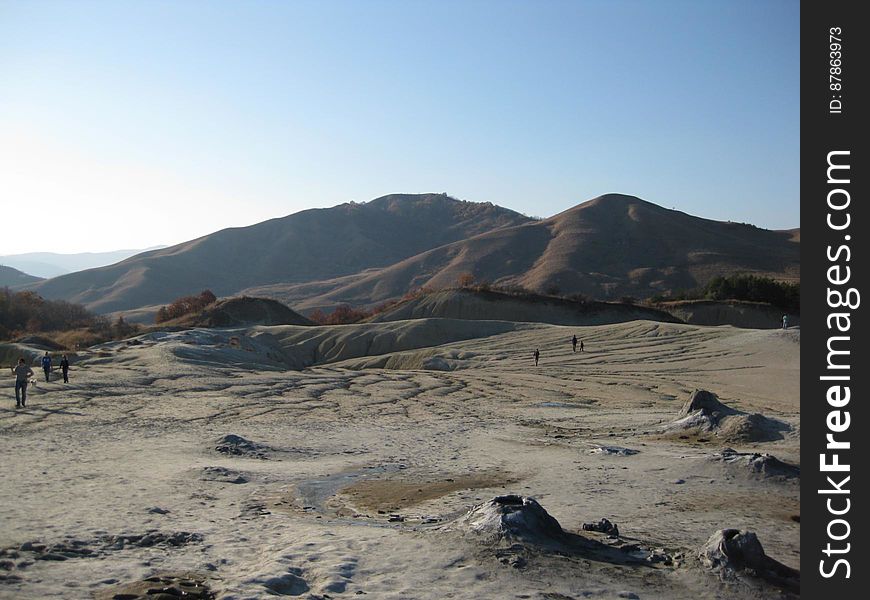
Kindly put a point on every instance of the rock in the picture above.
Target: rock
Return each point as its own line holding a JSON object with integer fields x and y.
{"x": 32, "y": 547}
{"x": 603, "y": 526}
{"x": 51, "y": 556}
{"x": 511, "y": 517}
{"x": 236, "y": 445}
{"x": 222, "y": 475}
{"x": 613, "y": 450}
{"x": 158, "y": 511}
{"x": 733, "y": 551}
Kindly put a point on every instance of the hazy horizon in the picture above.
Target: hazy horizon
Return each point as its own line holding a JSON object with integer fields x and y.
{"x": 158, "y": 246}
{"x": 140, "y": 124}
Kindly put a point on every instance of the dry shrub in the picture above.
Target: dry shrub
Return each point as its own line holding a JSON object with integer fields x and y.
{"x": 184, "y": 306}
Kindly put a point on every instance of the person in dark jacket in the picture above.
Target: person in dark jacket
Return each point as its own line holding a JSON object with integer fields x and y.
{"x": 537, "y": 356}
{"x": 64, "y": 366}
{"x": 22, "y": 374}
{"x": 574, "y": 343}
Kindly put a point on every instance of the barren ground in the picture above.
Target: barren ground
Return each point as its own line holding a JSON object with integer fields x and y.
{"x": 356, "y": 474}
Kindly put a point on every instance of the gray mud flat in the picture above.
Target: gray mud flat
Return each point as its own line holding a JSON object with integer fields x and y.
{"x": 349, "y": 462}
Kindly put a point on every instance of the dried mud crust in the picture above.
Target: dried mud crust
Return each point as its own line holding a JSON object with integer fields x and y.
{"x": 161, "y": 586}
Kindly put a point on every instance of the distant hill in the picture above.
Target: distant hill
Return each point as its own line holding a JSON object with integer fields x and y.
{"x": 478, "y": 305}
{"x": 305, "y": 246}
{"x": 51, "y": 264}
{"x": 11, "y": 277}
{"x": 241, "y": 312}
{"x": 606, "y": 248}
{"x": 363, "y": 254}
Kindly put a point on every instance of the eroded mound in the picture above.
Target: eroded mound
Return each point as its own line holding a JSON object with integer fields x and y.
{"x": 761, "y": 466}
{"x": 705, "y": 413}
{"x": 240, "y": 312}
{"x": 731, "y": 552}
{"x": 235, "y": 445}
{"x": 753, "y": 427}
{"x": 708, "y": 404}
{"x": 511, "y": 518}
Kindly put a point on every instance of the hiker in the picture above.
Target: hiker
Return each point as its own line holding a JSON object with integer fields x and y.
{"x": 574, "y": 343}
{"x": 537, "y": 356}
{"x": 64, "y": 366}
{"x": 46, "y": 365}
{"x": 581, "y": 345}
{"x": 785, "y": 321}
{"x": 22, "y": 373}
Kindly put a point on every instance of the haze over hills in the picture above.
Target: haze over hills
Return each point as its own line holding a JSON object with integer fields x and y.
{"x": 52, "y": 264}
{"x": 305, "y": 246}
{"x": 611, "y": 246}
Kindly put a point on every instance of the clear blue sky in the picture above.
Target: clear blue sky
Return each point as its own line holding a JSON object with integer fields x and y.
{"x": 128, "y": 124}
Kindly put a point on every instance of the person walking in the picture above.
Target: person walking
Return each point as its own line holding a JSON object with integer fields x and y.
{"x": 574, "y": 343}
{"x": 46, "y": 365}
{"x": 537, "y": 356}
{"x": 785, "y": 321}
{"x": 64, "y": 367}
{"x": 581, "y": 345}
{"x": 22, "y": 374}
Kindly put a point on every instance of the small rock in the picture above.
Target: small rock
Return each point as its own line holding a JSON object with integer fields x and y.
{"x": 603, "y": 526}
{"x": 51, "y": 556}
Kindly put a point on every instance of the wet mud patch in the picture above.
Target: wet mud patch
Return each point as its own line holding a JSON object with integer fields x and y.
{"x": 756, "y": 503}
{"x": 394, "y": 493}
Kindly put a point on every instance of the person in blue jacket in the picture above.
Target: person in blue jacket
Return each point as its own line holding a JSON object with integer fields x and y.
{"x": 46, "y": 365}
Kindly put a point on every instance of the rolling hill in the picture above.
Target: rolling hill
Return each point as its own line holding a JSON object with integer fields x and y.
{"x": 305, "y": 246}
{"x": 609, "y": 247}
{"x": 13, "y": 278}
{"x": 363, "y": 254}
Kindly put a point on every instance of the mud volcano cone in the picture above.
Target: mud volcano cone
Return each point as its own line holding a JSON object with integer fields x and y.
{"x": 735, "y": 551}
{"x": 511, "y": 517}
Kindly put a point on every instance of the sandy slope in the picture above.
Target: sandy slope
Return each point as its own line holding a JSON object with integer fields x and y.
{"x": 297, "y": 514}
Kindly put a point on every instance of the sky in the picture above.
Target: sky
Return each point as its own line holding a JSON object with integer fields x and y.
{"x": 131, "y": 124}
